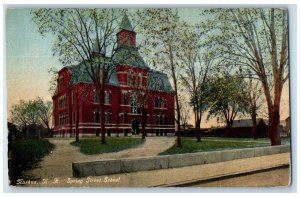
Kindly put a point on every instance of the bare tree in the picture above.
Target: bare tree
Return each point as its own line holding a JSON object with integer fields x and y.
{"x": 86, "y": 37}
{"x": 162, "y": 30}
{"x": 257, "y": 40}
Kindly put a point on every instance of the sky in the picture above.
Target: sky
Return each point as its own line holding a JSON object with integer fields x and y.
{"x": 29, "y": 56}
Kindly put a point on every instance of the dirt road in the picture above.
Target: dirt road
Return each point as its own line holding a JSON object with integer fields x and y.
{"x": 59, "y": 162}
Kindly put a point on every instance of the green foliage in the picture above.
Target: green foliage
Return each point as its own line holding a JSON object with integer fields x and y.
{"x": 25, "y": 154}
{"x": 226, "y": 98}
{"x": 189, "y": 145}
{"x": 31, "y": 112}
{"x": 91, "y": 146}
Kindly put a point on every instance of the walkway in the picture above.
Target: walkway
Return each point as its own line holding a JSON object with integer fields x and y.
{"x": 174, "y": 176}
{"x": 59, "y": 162}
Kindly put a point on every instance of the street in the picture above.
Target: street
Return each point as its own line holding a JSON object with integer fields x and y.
{"x": 278, "y": 177}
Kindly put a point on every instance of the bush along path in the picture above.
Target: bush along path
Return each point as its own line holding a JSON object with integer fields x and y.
{"x": 24, "y": 155}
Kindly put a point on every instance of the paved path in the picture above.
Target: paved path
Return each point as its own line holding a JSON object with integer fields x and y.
{"x": 173, "y": 176}
{"x": 59, "y": 162}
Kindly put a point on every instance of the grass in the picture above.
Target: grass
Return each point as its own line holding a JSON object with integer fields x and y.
{"x": 91, "y": 146}
{"x": 189, "y": 145}
{"x": 25, "y": 155}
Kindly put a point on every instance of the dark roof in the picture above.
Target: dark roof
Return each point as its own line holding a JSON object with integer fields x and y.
{"x": 248, "y": 122}
{"x": 125, "y": 23}
{"x": 159, "y": 81}
{"x": 242, "y": 123}
{"x": 130, "y": 56}
{"x": 80, "y": 74}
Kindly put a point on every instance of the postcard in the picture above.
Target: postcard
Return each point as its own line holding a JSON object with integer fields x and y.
{"x": 148, "y": 97}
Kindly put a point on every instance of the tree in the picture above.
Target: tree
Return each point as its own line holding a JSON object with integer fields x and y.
{"x": 26, "y": 114}
{"x": 197, "y": 60}
{"x": 252, "y": 93}
{"x": 19, "y": 115}
{"x": 44, "y": 111}
{"x": 184, "y": 111}
{"x": 257, "y": 40}
{"x": 162, "y": 30}
{"x": 227, "y": 99}
{"x": 83, "y": 36}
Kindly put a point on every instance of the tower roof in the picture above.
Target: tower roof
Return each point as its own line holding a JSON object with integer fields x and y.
{"x": 125, "y": 23}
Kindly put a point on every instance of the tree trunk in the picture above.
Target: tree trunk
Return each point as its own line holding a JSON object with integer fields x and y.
{"x": 77, "y": 119}
{"x": 254, "y": 124}
{"x": 198, "y": 136}
{"x": 254, "y": 128}
{"x": 102, "y": 116}
{"x": 229, "y": 128}
{"x": 176, "y": 94}
{"x": 144, "y": 121}
{"x": 274, "y": 122}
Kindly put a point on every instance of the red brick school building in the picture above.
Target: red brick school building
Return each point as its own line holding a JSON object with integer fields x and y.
{"x": 121, "y": 109}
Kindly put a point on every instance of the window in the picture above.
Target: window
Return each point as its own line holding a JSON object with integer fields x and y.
{"x": 159, "y": 85}
{"x": 164, "y": 103}
{"x": 133, "y": 102}
{"x": 125, "y": 118}
{"x": 133, "y": 106}
{"x": 157, "y": 120}
{"x": 161, "y": 121}
{"x": 106, "y": 97}
{"x": 96, "y": 97}
{"x": 62, "y": 102}
{"x": 107, "y": 117}
{"x": 129, "y": 79}
{"x": 72, "y": 97}
{"x": 124, "y": 95}
{"x": 62, "y": 119}
{"x": 156, "y": 101}
{"x": 96, "y": 116}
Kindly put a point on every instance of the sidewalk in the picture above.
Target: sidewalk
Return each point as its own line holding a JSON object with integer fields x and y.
{"x": 169, "y": 177}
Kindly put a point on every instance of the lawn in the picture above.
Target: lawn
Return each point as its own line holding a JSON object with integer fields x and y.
{"x": 92, "y": 146}
{"x": 25, "y": 155}
{"x": 189, "y": 145}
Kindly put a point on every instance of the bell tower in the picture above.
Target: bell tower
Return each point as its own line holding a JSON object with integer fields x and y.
{"x": 126, "y": 35}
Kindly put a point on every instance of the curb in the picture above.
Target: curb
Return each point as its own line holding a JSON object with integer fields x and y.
{"x": 223, "y": 176}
